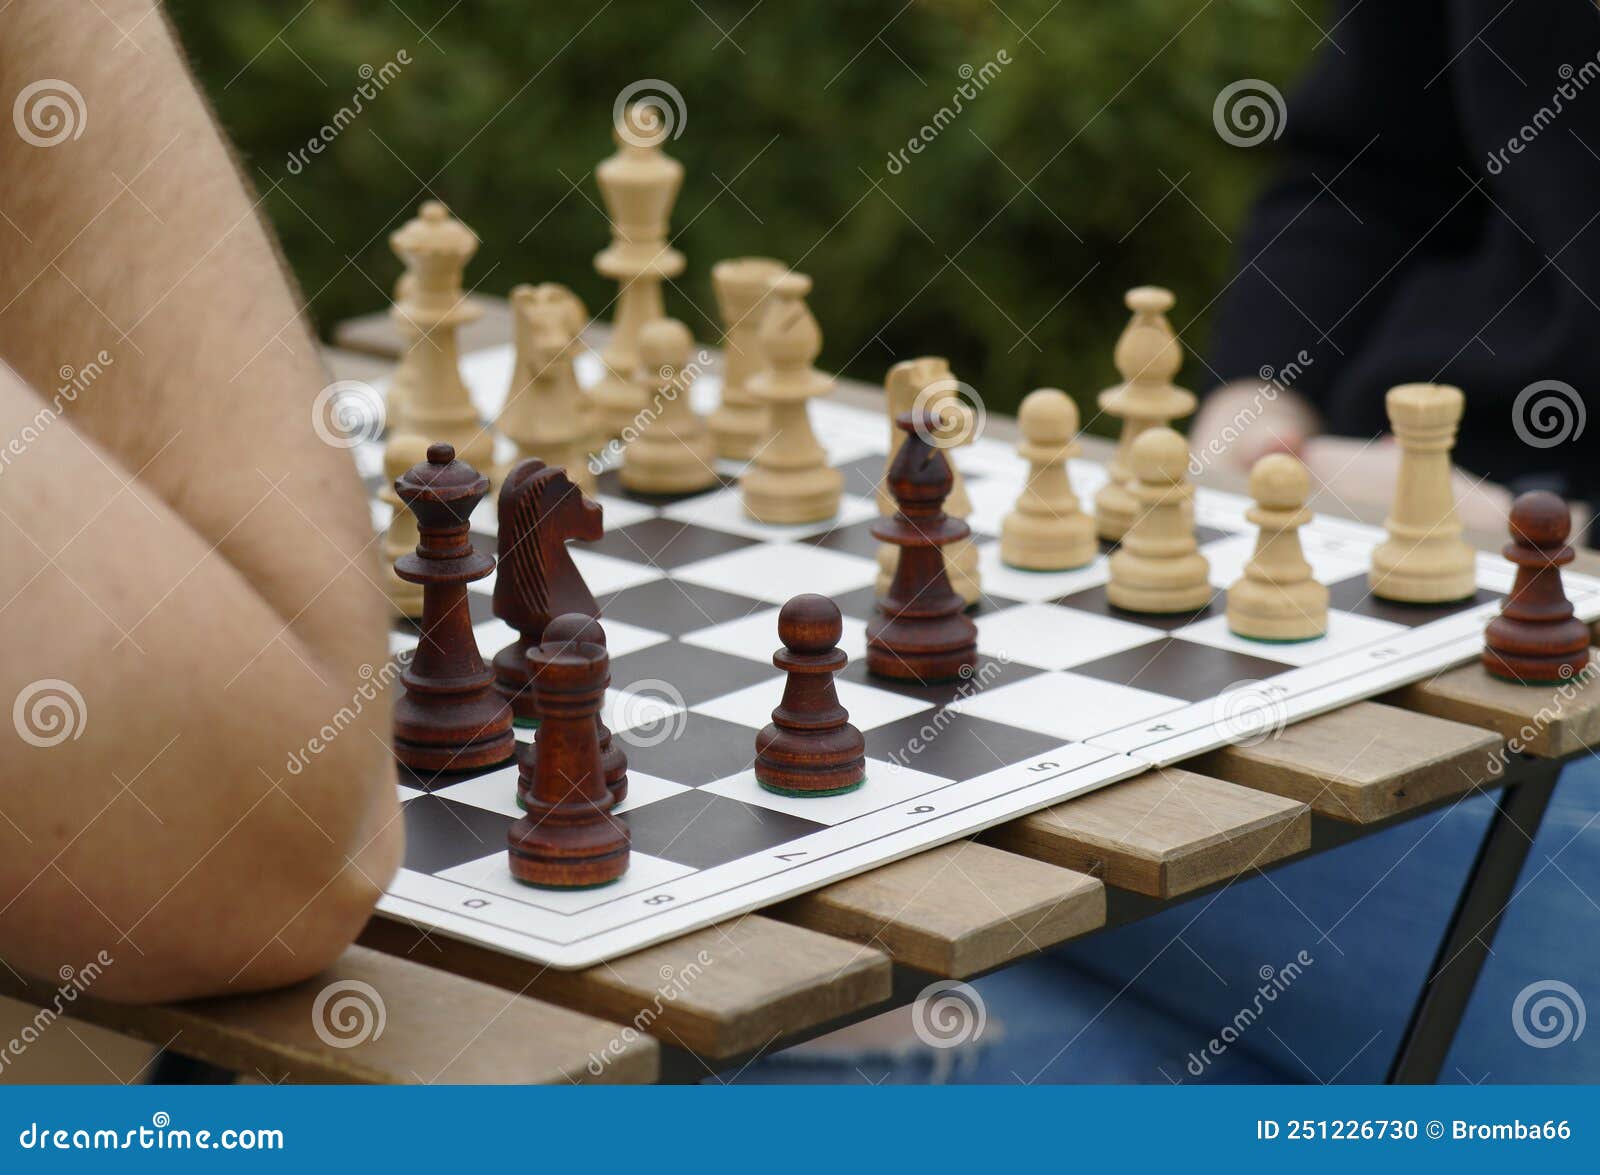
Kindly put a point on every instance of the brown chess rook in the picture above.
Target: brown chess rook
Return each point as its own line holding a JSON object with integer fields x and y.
{"x": 568, "y": 628}
{"x": 449, "y": 718}
{"x": 568, "y": 838}
{"x": 810, "y": 748}
{"x": 921, "y": 632}
{"x": 1536, "y": 640}
{"x": 540, "y": 509}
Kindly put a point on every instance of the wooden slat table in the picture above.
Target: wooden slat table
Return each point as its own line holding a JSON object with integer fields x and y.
{"x": 871, "y": 942}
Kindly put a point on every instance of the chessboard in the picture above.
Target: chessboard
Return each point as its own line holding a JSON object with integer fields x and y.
{"x": 1068, "y": 693}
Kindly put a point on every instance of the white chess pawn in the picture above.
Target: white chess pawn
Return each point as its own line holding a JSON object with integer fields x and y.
{"x": 1158, "y": 569}
{"x": 1425, "y": 560}
{"x": 790, "y": 480}
{"x": 671, "y": 452}
{"x": 1148, "y": 357}
{"x": 1047, "y": 530}
{"x": 1276, "y": 599}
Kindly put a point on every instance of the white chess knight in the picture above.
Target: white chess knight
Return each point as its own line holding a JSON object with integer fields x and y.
{"x": 1276, "y": 599}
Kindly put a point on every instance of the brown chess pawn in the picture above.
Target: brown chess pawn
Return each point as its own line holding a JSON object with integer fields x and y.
{"x": 450, "y": 718}
{"x": 576, "y": 628}
{"x": 921, "y": 632}
{"x": 1536, "y": 640}
{"x": 540, "y": 508}
{"x": 568, "y": 838}
{"x": 810, "y": 748}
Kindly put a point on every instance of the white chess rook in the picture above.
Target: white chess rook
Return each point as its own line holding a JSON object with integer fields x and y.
{"x": 1425, "y": 560}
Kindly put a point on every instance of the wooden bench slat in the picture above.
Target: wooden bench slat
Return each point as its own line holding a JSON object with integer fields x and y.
{"x": 1361, "y": 764}
{"x": 1547, "y": 721}
{"x": 719, "y": 992}
{"x": 433, "y": 1027}
{"x": 956, "y": 910}
{"x": 1162, "y": 833}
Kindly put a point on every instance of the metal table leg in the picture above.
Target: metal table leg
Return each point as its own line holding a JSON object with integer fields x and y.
{"x": 1488, "y": 889}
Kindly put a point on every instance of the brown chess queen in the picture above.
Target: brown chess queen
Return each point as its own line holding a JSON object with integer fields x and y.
{"x": 810, "y": 748}
{"x": 921, "y": 632}
{"x": 449, "y": 718}
{"x": 1536, "y": 640}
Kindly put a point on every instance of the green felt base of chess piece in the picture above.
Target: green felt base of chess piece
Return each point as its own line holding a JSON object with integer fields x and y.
{"x": 797, "y": 793}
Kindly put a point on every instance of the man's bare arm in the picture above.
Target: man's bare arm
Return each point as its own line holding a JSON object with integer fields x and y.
{"x": 176, "y": 542}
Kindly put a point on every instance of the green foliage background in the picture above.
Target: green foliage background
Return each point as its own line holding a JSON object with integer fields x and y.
{"x": 791, "y": 117}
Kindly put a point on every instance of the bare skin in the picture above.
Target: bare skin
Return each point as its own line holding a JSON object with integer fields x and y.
{"x": 176, "y": 543}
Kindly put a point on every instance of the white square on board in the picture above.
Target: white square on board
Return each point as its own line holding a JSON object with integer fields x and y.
{"x": 494, "y": 792}
{"x": 724, "y": 511}
{"x": 887, "y": 785}
{"x": 1052, "y": 637}
{"x": 603, "y": 573}
{"x": 869, "y": 707}
{"x": 492, "y": 875}
{"x": 1016, "y": 584}
{"x": 1067, "y": 705}
{"x": 755, "y": 637}
{"x": 776, "y": 571}
{"x": 1346, "y": 631}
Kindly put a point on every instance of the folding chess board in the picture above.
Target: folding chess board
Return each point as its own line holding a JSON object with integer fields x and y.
{"x": 1068, "y": 694}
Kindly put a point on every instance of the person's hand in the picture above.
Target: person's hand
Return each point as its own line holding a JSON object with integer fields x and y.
{"x": 1242, "y": 422}
{"x": 1358, "y": 477}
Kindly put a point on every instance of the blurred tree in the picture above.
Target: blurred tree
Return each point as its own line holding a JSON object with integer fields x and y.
{"x": 1081, "y": 159}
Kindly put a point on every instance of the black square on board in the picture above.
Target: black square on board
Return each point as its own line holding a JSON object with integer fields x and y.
{"x": 988, "y": 673}
{"x": 441, "y": 834}
{"x": 697, "y": 674}
{"x": 665, "y": 542}
{"x": 1355, "y": 595}
{"x": 1180, "y": 669}
{"x": 703, "y": 830}
{"x": 955, "y": 746}
{"x": 704, "y": 749}
{"x": 862, "y": 475}
{"x": 851, "y": 540}
{"x": 1094, "y": 600}
{"x": 674, "y": 607}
